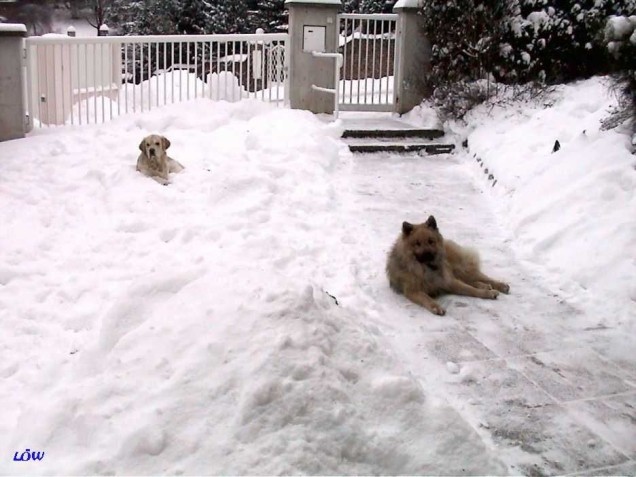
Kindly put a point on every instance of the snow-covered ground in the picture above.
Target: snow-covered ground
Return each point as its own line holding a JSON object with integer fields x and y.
{"x": 194, "y": 328}
{"x": 571, "y": 212}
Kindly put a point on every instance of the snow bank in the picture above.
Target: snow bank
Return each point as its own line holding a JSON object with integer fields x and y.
{"x": 573, "y": 212}
{"x": 12, "y": 28}
{"x": 408, "y": 4}
{"x": 190, "y": 328}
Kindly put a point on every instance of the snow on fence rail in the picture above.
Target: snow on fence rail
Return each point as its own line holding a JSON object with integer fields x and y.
{"x": 92, "y": 80}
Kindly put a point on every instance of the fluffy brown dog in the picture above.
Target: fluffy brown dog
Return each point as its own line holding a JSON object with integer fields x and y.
{"x": 153, "y": 160}
{"x": 423, "y": 265}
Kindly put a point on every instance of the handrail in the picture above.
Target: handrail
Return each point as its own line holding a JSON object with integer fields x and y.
{"x": 334, "y": 91}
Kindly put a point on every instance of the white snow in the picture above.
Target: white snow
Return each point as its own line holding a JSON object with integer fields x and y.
{"x": 618, "y": 28}
{"x": 237, "y": 58}
{"x": 408, "y": 4}
{"x": 161, "y": 89}
{"x": 538, "y": 19}
{"x": 193, "y": 328}
{"x": 572, "y": 212}
{"x": 452, "y": 368}
{"x": 188, "y": 328}
{"x": 13, "y": 27}
{"x": 358, "y": 35}
{"x": 525, "y": 57}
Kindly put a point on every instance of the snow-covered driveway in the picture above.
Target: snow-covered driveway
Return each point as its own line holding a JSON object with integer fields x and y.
{"x": 549, "y": 390}
{"x": 189, "y": 328}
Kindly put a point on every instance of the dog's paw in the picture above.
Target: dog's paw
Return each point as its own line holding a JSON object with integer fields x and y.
{"x": 437, "y": 309}
{"x": 503, "y": 288}
{"x": 492, "y": 294}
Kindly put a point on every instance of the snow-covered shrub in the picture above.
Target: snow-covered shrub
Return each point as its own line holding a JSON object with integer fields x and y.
{"x": 620, "y": 37}
{"x": 556, "y": 40}
{"x": 455, "y": 99}
{"x": 270, "y": 15}
{"x": 368, "y": 6}
{"x": 464, "y": 38}
{"x": 156, "y": 17}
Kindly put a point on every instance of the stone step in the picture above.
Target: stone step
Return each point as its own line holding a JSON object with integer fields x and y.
{"x": 401, "y": 147}
{"x": 393, "y": 133}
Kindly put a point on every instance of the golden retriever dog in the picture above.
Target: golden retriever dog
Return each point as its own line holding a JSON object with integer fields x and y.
{"x": 422, "y": 265}
{"x": 153, "y": 160}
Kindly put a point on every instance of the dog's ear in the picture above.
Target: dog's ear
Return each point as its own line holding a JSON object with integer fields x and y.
{"x": 142, "y": 144}
{"x": 431, "y": 222}
{"x": 165, "y": 143}
{"x": 407, "y": 228}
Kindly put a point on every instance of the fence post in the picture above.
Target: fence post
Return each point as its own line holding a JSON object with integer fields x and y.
{"x": 413, "y": 58}
{"x": 313, "y": 26}
{"x": 12, "y": 108}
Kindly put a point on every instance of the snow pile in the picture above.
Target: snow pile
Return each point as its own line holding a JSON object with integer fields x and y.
{"x": 12, "y": 28}
{"x": 164, "y": 89}
{"x": 190, "y": 328}
{"x": 408, "y": 4}
{"x": 225, "y": 86}
{"x": 573, "y": 211}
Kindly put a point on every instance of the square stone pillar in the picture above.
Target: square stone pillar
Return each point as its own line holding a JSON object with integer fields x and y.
{"x": 414, "y": 57}
{"x": 12, "y": 107}
{"x": 313, "y": 24}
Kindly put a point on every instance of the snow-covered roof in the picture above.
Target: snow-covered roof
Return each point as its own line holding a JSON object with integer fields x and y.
{"x": 409, "y": 4}
{"x": 12, "y": 27}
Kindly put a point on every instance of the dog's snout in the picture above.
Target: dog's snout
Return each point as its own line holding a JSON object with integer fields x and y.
{"x": 426, "y": 257}
{"x": 151, "y": 151}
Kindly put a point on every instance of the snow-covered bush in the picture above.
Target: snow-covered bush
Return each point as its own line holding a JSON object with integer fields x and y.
{"x": 620, "y": 37}
{"x": 556, "y": 40}
{"x": 455, "y": 99}
{"x": 368, "y": 6}
{"x": 464, "y": 40}
{"x": 270, "y": 15}
{"x": 518, "y": 42}
{"x": 156, "y": 17}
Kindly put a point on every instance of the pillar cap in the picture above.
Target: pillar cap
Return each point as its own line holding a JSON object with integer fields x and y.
{"x": 408, "y": 4}
{"x": 13, "y": 29}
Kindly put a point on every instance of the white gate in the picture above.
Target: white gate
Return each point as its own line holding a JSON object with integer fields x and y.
{"x": 92, "y": 80}
{"x": 368, "y": 44}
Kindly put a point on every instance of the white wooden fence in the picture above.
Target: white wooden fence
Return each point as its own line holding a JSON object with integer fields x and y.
{"x": 92, "y": 80}
{"x": 72, "y": 80}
